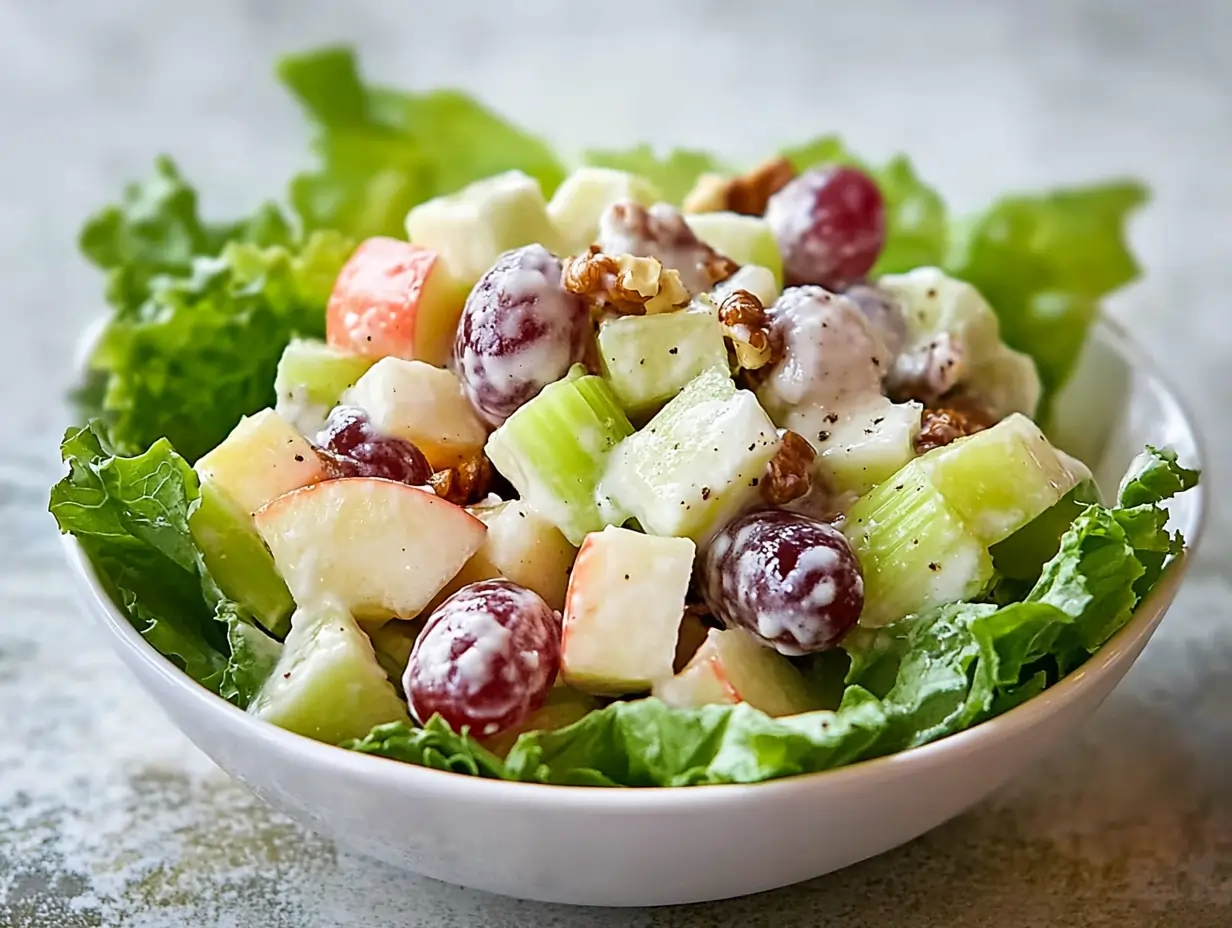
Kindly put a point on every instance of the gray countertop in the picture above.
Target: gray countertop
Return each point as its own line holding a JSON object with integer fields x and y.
{"x": 109, "y": 817}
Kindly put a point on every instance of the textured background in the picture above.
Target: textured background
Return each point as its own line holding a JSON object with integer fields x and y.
{"x": 109, "y": 817}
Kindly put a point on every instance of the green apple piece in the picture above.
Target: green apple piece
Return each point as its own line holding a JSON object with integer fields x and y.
{"x": 1000, "y": 479}
{"x": 379, "y": 548}
{"x": 648, "y": 359}
{"x": 755, "y": 279}
{"x": 327, "y": 684}
{"x": 554, "y": 450}
{"x": 238, "y": 560}
{"x": 563, "y": 707}
{"x": 522, "y": 546}
{"x": 311, "y": 377}
{"x": 422, "y": 404}
{"x": 262, "y": 458}
{"x": 936, "y": 304}
{"x": 914, "y": 550}
{"x": 583, "y": 197}
{"x": 470, "y": 229}
{"x": 731, "y": 667}
{"x": 696, "y": 463}
{"x": 744, "y": 239}
{"x": 860, "y": 445}
{"x": 623, "y": 611}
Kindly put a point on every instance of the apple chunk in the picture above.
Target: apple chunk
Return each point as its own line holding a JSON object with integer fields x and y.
{"x": 424, "y": 405}
{"x": 395, "y": 299}
{"x": 731, "y": 667}
{"x": 381, "y": 549}
{"x": 586, "y": 194}
{"x": 327, "y": 684}
{"x": 623, "y": 611}
{"x": 262, "y": 458}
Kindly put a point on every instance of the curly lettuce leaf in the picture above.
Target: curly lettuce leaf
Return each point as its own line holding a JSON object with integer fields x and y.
{"x": 1045, "y": 261}
{"x": 252, "y": 659}
{"x": 1154, "y": 476}
{"x": 434, "y": 745}
{"x": 674, "y": 174}
{"x": 383, "y": 151}
{"x": 917, "y": 232}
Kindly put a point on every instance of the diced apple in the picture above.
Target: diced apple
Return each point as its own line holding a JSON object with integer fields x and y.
{"x": 394, "y": 299}
{"x": 311, "y": 377}
{"x": 623, "y": 611}
{"x": 473, "y": 227}
{"x": 731, "y": 667}
{"x": 583, "y": 197}
{"x": 564, "y": 706}
{"x": 424, "y": 405}
{"x": 262, "y": 458}
{"x": 744, "y": 239}
{"x": 238, "y": 560}
{"x": 327, "y": 684}
{"x": 858, "y": 444}
{"x": 753, "y": 278}
{"x": 381, "y": 549}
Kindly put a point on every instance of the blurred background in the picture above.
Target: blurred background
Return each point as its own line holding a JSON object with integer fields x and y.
{"x": 108, "y": 817}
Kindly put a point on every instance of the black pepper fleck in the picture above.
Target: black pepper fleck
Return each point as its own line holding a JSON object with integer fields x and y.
{"x": 673, "y": 350}
{"x": 832, "y": 417}
{"x": 933, "y": 565}
{"x": 705, "y": 492}
{"x": 879, "y": 420}
{"x": 300, "y": 458}
{"x": 823, "y": 435}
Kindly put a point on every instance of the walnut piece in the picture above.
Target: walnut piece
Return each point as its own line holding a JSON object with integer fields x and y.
{"x": 747, "y": 194}
{"x": 941, "y": 425}
{"x": 660, "y": 232}
{"x": 745, "y": 323}
{"x": 789, "y": 473}
{"x": 465, "y": 484}
{"x": 624, "y": 284}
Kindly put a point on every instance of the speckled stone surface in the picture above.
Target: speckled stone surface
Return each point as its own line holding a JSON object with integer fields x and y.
{"x": 109, "y": 817}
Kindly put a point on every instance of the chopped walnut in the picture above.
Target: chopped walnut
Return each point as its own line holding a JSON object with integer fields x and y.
{"x": 747, "y": 194}
{"x": 465, "y": 484}
{"x": 789, "y": 473}
{"x": 660, "y": 232}
{"x": 624, "y": 284}
{"x": 941, "y": 425}
{"x": 745, "y": 323}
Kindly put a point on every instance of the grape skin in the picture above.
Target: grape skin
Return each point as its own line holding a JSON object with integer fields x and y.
{"x": 486, "y": 659}
{"x": 349, "y": 446}
{"x": 520, "y": 330}
{"x": 830, "y": 226}
{"x": 790, "y": 580}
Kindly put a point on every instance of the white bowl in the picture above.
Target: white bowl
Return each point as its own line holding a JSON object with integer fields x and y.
{"x": 661, "y": 846}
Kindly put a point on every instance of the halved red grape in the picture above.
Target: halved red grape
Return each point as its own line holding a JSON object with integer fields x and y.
{"x": 486, "y": 659}
{"x": 790, "y": 580}
{"x": 520, "y": 330}
{"x": 351, "y": 447}
{"x": 830, "y": 226}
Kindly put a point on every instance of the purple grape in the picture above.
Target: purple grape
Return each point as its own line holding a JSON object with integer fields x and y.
{"x": 350, "y": 447}
{"x": 790, "y": 580}
{"x": 830, "y": 226}
{"x": 520, "y": 330}
{"x": 486, "y": 659}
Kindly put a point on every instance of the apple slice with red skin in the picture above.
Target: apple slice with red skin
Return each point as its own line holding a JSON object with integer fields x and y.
{"x": 379, "y": 548}
{"x": 731, "y": 667}
{"x": 394, "y": 299}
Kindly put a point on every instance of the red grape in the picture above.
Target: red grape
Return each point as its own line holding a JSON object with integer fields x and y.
{"x": 790, "y": 580}
{"x": 830, "y": 225}
{"x": 486, "y": 659}
{"x": 520, "y": 330}
{"x": 350, "y": 447}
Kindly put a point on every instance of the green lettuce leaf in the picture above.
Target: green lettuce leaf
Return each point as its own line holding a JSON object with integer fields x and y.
{"x": 674, "y": 174}
{"x": 1045, "y": 261}
{"x": 383, "y": 151}
{"x": 434, "y": 745}
{"x": 131, "y": 517}
{"x": 1153, "y": 477}
{"x": 253, "y": 656}
{"x": 917, "y": 231}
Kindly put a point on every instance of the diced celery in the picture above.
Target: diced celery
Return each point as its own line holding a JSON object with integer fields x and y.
{"x": 1000, "y": 479}
{"x": 648, "y": 359}
{"x": 311, "y": 377}
{"x": 238, "y": 559}
{"x": 744, "y": 239}
{"x": 554, "y": 450}
{"x": 696, "y": 463}
{"x": 913, "y": 549}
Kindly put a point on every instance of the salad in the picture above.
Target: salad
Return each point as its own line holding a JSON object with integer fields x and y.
{"x": 652, "y": 472}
